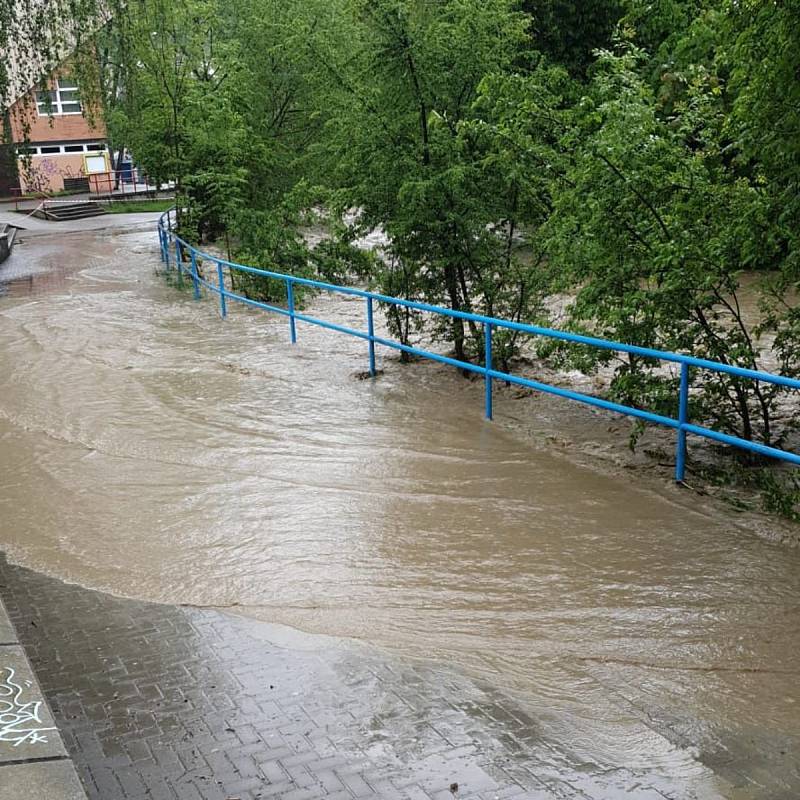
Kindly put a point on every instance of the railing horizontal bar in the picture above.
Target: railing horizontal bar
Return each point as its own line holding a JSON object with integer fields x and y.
{"x": 735, "y": 441}
{"x": 607, "y": 405}
{"x": 256, "y": 303}
{"x": 597, "y": 402}
{"x": 208, "y": 285}
{"x": 587, "y": 399}
{"x": 542, "y": 387}
{"x": 332, "y": 326}
{"x": 552, "y": 333}
{"x": 211, "y": 286}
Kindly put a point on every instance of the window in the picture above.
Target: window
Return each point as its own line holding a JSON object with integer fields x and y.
{"x": 63, "y": 99}
{"x": 53, "y": 149}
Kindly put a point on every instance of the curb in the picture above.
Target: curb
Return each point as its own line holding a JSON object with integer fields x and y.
{"x": 7, "y": 235}
{"x": 33, "y": 760}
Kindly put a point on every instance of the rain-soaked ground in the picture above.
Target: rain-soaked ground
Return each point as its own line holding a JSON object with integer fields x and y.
{"x": 151, "y": 450}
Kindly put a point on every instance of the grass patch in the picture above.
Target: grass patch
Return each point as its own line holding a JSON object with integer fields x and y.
{"x": 137, "y": 206}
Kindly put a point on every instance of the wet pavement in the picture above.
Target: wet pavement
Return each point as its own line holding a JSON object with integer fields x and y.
{"x": 634, "y": 636}
{"x": 33, "y": 761}
{"x": 158, "y": 701}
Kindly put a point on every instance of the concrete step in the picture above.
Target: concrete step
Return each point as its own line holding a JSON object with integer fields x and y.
{"x": 66, "y": 211}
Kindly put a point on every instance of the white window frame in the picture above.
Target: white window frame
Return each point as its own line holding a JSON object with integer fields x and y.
{"x": 97, "y": 147}
{"x": 56, "y": 108}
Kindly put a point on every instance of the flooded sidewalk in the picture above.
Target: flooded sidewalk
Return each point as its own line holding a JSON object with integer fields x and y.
{"x": 636, "y": 633}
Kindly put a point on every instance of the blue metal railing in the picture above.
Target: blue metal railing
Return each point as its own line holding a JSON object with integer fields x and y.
{"x": 682, "y": 424}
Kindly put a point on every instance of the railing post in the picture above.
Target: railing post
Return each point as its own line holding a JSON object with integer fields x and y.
{"x": 165, "y": 247}
{"x": 222, "y": 308}
{"x": 161, "y": 242}
{"x": 487, "y": 341}
{"x": 683, "y": 418}
{"x": 371, "y": 332}
{"x": 194, "y": 275}
{"x": 290, "y": 303}
{"x": 179, "y": 261}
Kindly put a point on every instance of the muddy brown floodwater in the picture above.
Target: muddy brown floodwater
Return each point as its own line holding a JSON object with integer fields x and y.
{"x": 150, "y": 449}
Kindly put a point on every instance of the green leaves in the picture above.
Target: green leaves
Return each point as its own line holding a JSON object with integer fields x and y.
{"x": 405, "y": 147}
{"x": 655, "y": 228}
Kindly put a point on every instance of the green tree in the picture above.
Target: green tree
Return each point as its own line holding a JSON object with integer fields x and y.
{"x": 401, "y": 150}
{"x": 655, "y": 229}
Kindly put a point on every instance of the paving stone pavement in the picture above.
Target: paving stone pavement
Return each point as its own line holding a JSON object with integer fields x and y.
{"x": 160, "y": 702}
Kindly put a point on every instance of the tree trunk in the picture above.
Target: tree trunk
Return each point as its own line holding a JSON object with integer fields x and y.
{"x": 457, "y": 325}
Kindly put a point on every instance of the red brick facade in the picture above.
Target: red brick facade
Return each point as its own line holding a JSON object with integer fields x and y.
{"x": 58, "y": 128}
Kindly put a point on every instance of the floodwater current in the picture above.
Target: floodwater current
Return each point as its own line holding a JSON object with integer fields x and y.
{"x": 150, "y": 449}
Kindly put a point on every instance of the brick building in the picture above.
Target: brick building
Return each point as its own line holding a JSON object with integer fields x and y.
{"x": 63, "y": 144}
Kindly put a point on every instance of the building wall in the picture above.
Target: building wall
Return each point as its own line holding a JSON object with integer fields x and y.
{"x": 66, "y": 128}
{"x": 46, "y": 172}
{"x": 53, "y": 126}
